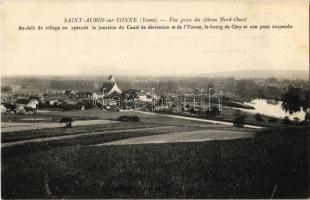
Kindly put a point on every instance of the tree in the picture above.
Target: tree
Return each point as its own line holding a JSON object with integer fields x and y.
{"x": 192, "y": 111}
{"x": 6, "y": 89}
{"x": 306, "y": 103}
{"x": 68, "y": 121}
{"x": 272, "y": 80}
{"x": 292, "y": 100}
{"x": 211, "y": 85}
{"x": 215, "y": 110}
{"x": 296, "y": 120}
{"x": 239, "y": 119}
{"x": 258, "y": 117}
{"x": 272, "y": 120}
{"x": 307, "y": 117}
{"x": 286, "y": 121}
{"x": 211, "y": 88}
{"x": 247, "y": 88}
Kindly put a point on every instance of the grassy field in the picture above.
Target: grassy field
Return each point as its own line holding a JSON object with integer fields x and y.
{"x": 42, "y": 117}
{"x": 225, "y": 115}
{"x": 146, "y": 122}
{"x": 95, "y": 113}
{"x": 55, "y": 116}
{"x": 88, "y": 135}
{"x": 42, "y": 133}
{"x": 273, "y": 164}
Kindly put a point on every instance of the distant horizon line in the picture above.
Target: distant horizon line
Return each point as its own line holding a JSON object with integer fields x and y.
{"x": 152, "y": 75}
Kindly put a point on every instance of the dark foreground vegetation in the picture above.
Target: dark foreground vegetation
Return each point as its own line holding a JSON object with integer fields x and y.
{"x": 275, "y": 163}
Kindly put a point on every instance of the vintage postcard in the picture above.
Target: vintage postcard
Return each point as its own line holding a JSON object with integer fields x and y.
{"x": 154, "y": 99}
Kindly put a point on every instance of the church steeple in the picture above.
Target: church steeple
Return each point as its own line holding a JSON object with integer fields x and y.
{"x": 111, "y": 79}
{"x": 110, "y": 86}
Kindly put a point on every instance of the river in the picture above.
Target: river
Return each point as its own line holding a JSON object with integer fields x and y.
{"x": 263, "y": 107}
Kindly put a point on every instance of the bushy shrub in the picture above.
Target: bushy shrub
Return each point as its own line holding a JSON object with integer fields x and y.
{"x": 258, "y": 117}
{"x": 215, "y": 110}
{"x": 67, "y": 120}
{"x": 192, "y": 111}
{"x": 286, "y": 121}
{"x": 239, "y": 119}
{"x": 69, "y": 107}
{"x": 164, "y": 110}
{"x": 272, "y": 120}
{"x": 126, "y": 118}
{"x": 296, "y": 120}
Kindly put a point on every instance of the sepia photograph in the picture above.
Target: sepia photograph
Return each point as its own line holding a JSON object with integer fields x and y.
{"x": 155, "y": 99}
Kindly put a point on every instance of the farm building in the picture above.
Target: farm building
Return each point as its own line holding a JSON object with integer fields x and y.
{"x": 53, "y": 102}
{"x": 20, "y": 109}
{"x": 142, "y": 96}
{"x": 146, "y": 96}
{"x": 37, "y": 97}
{"x": 70, "y": 102}
{"x": 3, "y": 109}
{"x": 53, "y": 99}
{"x": 83, "y": 94}
{"x": 94, "y": 96}
{"x": 32, "y": 104}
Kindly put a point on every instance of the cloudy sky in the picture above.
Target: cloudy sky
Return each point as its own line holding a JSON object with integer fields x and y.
{"x": 156, "y": 51}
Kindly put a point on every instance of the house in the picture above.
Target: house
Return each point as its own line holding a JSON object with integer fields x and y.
{"x": 67, "y": 92}
{"x": 87, "y": 103}
{"x": 146, "y": 97}
{"x": 53, "y": 102}
{"x": 3, "y": 109}
{"x": 94, "y": 96}
{"x": 54, "y": 99}
{"x": 70, "y": 102}
{"x": 37, "y": 97}
{"x": 32, "y": 104}
{"x": 83, "y": 94}
{"x": 72, "y": 93}
{"x": 20, "y": 109}
{"x": 130, "y": 94}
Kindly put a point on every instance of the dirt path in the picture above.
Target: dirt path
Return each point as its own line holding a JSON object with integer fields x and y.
{"x": 48, "y": 139}
{"x": 186, "y": 136}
